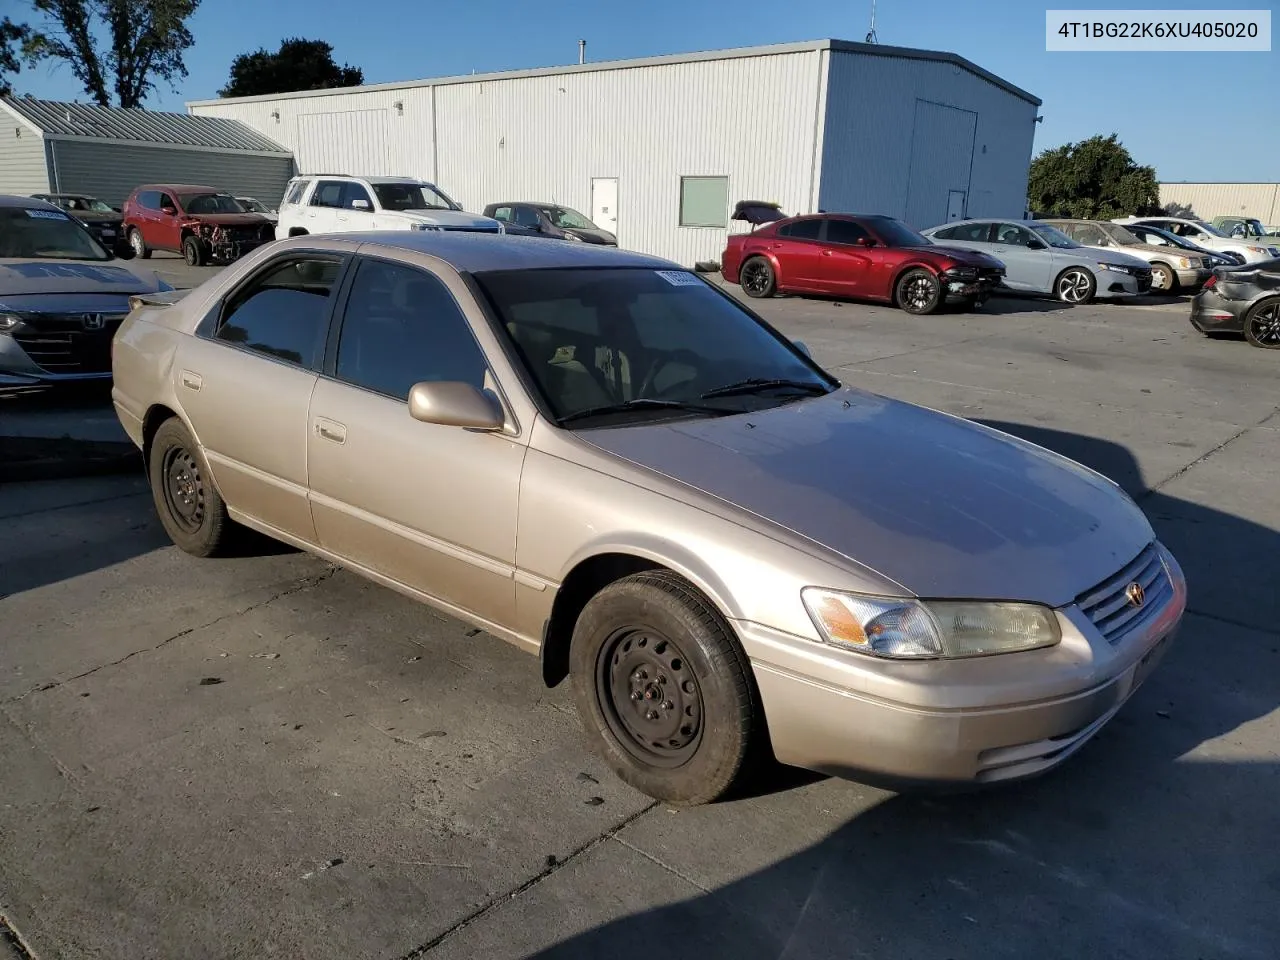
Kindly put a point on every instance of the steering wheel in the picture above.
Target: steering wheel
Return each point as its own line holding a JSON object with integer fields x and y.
{"x": 660, "y": 363}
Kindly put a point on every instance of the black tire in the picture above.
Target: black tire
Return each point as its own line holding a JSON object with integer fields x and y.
{"x": 140, "y": 248}
{"x": 664, "y": 689}
{"x": 190, "y": 508}
{"x": 1262, "y": 325}
{"x": 297, "y": 232}
{"x": 193, "y": 251}
{"x": 918, "y": 292}
{"x": 1075, "y": 285}
{"x": 1169, "y": 283}
{"x": 757, "y": 279}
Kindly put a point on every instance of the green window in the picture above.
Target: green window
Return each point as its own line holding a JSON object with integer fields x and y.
{"x": 704, "y": 201}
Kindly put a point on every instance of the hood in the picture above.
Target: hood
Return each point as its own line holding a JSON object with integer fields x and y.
{"x": 445, "y": 218}
{"x": 592, "y": 236}
{"x": 96, "y": 216}
{"x": 942, "y": 506}
{"x": 228, "y": 219}
{"x": 972, "y": 258}
{"x": 1112, "y": 255}
{"x": 36, "y": 277}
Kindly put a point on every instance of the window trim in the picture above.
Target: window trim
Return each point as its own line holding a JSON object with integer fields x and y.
{"x": 680, "y": 201}
{"x": 822, "y": 229}
{"x": 207, "y": 328}
{"x": 825, "y": 232}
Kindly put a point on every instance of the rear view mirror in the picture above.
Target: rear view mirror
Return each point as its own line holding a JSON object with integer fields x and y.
{"x": 360, "y": 205}
{"x": 1035, "y": 244}
{"x": 454, "y": 404}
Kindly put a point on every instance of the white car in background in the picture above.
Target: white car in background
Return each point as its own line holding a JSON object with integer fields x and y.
{"x": 1207, "y": 235}
{"x": 322, "y": 203}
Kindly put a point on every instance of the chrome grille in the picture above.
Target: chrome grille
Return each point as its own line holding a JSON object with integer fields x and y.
{"x": 61, "y": 344}
{"x": 1108, "y": 606}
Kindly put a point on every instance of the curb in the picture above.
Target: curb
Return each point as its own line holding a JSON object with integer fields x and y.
{"x": 41, "y": 458}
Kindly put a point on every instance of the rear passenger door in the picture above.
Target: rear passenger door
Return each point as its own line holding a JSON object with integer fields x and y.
{"x": 323, "y": 207}
{"x": 798, "y": 248}
{"x": 431, "y": 507}
{"x": 245, "y": 383}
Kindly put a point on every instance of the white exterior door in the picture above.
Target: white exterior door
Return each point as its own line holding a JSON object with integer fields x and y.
{"x": 604, "y": 203}
{"x": 955, "y": 205}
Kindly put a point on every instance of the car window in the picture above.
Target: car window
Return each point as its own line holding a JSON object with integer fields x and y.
{"x": 1013, "y": 235}
{"x": 503, "y": 214}
{"x": 845, "y": 231}
{"x": 166, "y": 201}
{"x": 352, "y": 192}
{"x": 328, "y": 193}
{"x": 149, "y": 200}
{"x": 801, "y": 229}
{"x": 402, "y": 326}
{"x": 296, "y": 191}
{"x": 1089, "y": 234}
{"x": 283, "y": 312}
{"x": 526, "y": 217}
{"x": 969, "y": 232}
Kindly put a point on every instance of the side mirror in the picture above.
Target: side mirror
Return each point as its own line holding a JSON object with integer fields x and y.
{"x": 169, "y": 211}
{"x": 1035, "y": 244}
{"x": 122, "y": 249}
{"x": 864, "y": 242}
{"x": 360, "y": 205}
{"x": 802, "y": 347}
{"x": 454, "y": 404}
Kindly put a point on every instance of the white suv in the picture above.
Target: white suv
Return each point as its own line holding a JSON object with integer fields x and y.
{"x": 321, "y": 203}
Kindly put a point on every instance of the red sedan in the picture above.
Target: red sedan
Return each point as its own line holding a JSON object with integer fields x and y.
{"x": 868, "y": 258}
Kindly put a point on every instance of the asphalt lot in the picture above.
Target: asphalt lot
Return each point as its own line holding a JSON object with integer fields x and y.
{"x": 268, "y": 757}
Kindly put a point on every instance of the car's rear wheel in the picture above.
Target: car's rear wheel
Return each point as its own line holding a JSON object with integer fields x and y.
{"x": 1163, "y": 279}
{"x": 193, "y": 251}
{"x": 919, "y": 292}
{"x": 190, "y": 508}
{"x": 757, "y": 278}
{"x": 1075, "y": 285}
{"x": 139, "y": 245}
{"x": 1262, "y": 325}
{"x": 664, "y": 688}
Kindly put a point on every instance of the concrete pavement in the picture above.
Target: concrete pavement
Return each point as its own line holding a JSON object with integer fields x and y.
{"x": 265, "y": 756}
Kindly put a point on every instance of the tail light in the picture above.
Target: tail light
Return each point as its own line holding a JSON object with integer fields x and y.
{"x": 1213, "y": 279}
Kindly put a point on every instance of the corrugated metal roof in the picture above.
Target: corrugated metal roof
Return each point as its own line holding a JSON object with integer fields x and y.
{"x": 843, "y": 46}
{"x": 142, "y": 126}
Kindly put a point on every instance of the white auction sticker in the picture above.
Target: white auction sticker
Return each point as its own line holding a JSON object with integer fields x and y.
{"x": 679, "y": 278}
{"x": 46, "y": 215}
{"x": 1152, "y": 31}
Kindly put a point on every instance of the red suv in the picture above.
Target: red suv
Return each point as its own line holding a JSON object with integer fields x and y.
{"x": 201, "y": 223}
{"x": 863, "y": 257}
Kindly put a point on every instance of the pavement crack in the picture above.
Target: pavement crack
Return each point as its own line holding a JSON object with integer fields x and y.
{"x": 665, "y": 866}
{"x": 72, "y": 506}
{"x": 306, "y": 583}
{"x": 1182, "y": 471}
{"x": 1233, "y": 622}
{"x": 418, "y": 952}
{"x": 10, "y": 938}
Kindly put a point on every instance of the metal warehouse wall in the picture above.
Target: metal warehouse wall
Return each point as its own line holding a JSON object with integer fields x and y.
{"x": 22, "y": 161}
{"x": 901, "y": 134}
{"x": 1209, "y": 200}
{"x": 110, "y": 171}
{"x": 751, "y": 119}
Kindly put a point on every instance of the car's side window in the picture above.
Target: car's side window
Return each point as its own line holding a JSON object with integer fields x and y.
{"x": 295, "y": 192}
{"x": 526, "y": 216}
{"x": 972, "y": 232}
{"x": 845, "y": 232}
{"x": 165, "y": 201}
{"x": 503, "y": 214}
{"x": 801, "y": 230}
{"x": 402, "y": 326}
{"x": 149, "y": 200}
{"x": 1013, "y": 235}
{"x": 328, "y": 193}
{"x": 351, "y": 192}
{"x": 282, "y": 313}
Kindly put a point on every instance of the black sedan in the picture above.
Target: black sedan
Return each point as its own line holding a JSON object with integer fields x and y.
{"x": 1243, "y": 299}
{"x": 537, "y": 219}
{"x": 104, "y": 221}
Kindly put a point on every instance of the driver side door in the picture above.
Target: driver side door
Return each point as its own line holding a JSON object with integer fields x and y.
{"x": 167, "y": 234}
{"x": 845, "y": 262}
{"x": 349, "y": 217}
{"x": 1025, "y": 268}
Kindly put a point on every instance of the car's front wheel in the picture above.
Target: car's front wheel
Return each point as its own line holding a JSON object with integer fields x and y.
{"x": 190, "y": 508}
{"x": 664, "y": 688}
{"x": 919, "y": 292}
{"x": 757, "y": 278}
{"x": 193, "y": 251}
{"x": 1262, "y": 325}
{"x": 1163, "y": 279}
{"x": 139, "y": 245}
{"x": 1075, "y": 285}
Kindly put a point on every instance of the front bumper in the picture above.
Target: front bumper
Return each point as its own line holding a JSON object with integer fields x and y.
{"x": 957, "y": 723}
{"x": 972, "y": 291}
{"x": 1213, "y": 313}
{"x": 31, "y": 357}
{"x": 229, "y": 251}
{"x": 1193, "y": 277}
{"x": 1117, "y": 286}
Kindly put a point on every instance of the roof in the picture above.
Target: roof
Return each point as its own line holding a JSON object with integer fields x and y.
{"x": 31, "y": 203}
{"x": 479, "y": 252}
{"x": 178, "y": 188}
{"x": 810, "y": 46}
{"x": 57, "y": 120}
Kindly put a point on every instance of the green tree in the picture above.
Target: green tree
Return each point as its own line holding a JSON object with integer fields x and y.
{"x": 144, "y": 42}
{"x": 1095, "y": 179}
{"x": 11, "y": 36}
{"x": 298, "y": 65}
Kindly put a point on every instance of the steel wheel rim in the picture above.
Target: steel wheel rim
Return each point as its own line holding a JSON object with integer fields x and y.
{"x": 1074, "y": 286}
{"x": 918, "y": 293}
{"x": 755, "y": 277}
{"x": 184, "y": 493}
{"x": 1161, "y": 278}
{"x": 1265, "y": 325}
{"x": 135, "y": 238}
{"x": 189, "y": 253}
{"x": 651, "y": 700}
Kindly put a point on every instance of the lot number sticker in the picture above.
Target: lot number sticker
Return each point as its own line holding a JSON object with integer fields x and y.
{"x": 678, "y": 278}
{"x": 46, "y": 215}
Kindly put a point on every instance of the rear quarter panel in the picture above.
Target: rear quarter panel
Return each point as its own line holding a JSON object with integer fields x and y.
{"x": 142, "y": 361}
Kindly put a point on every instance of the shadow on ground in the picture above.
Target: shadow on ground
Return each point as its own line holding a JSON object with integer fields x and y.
{"x": 1156, "y": 840}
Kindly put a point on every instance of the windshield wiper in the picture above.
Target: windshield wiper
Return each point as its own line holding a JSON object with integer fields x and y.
{"x": 641, "y": 402}
{"x": 758, "y": 384}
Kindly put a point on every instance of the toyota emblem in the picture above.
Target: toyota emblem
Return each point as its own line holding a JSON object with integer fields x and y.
{"x": 92, "y": 321}
{"x": 1137, "y": 596}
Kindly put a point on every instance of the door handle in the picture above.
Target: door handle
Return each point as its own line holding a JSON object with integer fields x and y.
{"x": 331, "y": 430}
{"x": 192, "y": 381}
{"x": 826, "y": 253}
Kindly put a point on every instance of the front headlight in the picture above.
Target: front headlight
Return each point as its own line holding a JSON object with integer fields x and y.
{"x": 961, "y": 273}
{"x": 1185, "y": 263}
{"x": 572, "y": 236}
{"x": 8, "y": 321}
{"x": 1113, "y": 267}
{"x": 1257, "y": 249}
{"x": 905, "y": 629}
{"x": 423, "y": 226}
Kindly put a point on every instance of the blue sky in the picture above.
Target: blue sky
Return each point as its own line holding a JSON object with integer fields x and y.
{"x": 1195, "y": 116}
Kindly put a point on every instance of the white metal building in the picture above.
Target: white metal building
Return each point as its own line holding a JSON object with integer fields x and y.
{"x": 1209, "y": 200}
{"x": 660, "y": 149}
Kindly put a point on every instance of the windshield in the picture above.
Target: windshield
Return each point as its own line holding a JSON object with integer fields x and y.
{"x": 896, "y": 233}
{"x": 45, "y": 235}
{"x": 97, "y": 206}
{"x": 593, "y": 339}
{"x": 411, "y": 196}
{"x": 564, "y": 218}
{"x": 253, "y": 206}
{"x": 1209, "y": 228}
{"x": 1053, "y": 236}
{"x": 198, "y": 203}
{"x": 1120, "y": 235}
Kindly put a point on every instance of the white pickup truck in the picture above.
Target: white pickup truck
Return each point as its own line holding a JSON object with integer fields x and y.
{"x": 322, "y": 203}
